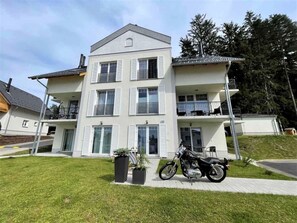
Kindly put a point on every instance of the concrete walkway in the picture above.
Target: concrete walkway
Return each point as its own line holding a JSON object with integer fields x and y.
{"x": 230, "y": 184}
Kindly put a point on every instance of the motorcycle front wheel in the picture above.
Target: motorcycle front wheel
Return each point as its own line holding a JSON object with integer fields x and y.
{"x": 216, "y": 174}
{"x": 168, "y": 171}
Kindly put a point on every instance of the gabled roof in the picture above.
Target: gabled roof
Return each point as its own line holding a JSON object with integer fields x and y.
{"x": 182, "y": 61}
{"x": 134, "y": 28}
{"x": 20, "y": 98}
{"x": 63, "y": 73}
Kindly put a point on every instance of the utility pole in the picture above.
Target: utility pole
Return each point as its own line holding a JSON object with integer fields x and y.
{"x": 289, "y": 83}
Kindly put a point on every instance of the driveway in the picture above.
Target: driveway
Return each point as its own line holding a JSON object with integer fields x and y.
{"x": 286, "y": 167}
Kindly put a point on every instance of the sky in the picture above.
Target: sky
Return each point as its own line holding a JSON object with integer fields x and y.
{"x": 43, "y": 36}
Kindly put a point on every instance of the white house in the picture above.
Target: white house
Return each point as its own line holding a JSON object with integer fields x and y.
{"x": 134, "y": 94}
{"x": 19, "y": 111}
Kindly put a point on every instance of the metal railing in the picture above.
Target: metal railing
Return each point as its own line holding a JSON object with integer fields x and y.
{"x": 105, "y": 110}
{"x": 107, "y": 77}
{"x": 147, "y": 108}
{"x": 143, "y": 74}
{"x": 201, "y": 108}
{"x": 65, "y": 113}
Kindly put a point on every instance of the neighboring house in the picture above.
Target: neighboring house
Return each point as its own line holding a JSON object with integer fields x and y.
{"x": 255, "y": 124}
{"x": 134, "y": 94}
{"x": 19, "y": 111}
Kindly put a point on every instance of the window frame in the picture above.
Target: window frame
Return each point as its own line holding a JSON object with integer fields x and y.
{"x": 147, "y": 69}
{"x": 147, "y": 101}
{"x": 97, "y": 105}
{"x": 25, "y": 123}
{"x": 108, "y": 73}
{"x": 103, "y": 129}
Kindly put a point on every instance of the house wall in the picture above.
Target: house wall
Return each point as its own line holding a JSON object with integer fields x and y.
{"x": 264, "y": 125}
{"x": 64, "y": 84}
{"x": 124, "y": 120}
{"x": 212, "y": 134}
{"x": 15, "y": 118}
{"x": 200, "y": 75}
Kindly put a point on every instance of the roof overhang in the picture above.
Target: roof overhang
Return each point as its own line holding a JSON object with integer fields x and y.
{"x": 186, "y": 61}
{"x": 63, "y": 73}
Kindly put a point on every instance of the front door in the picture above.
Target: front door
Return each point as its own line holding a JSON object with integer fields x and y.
{"x": 68, "y": 139}
{"x": 148, "y": 139}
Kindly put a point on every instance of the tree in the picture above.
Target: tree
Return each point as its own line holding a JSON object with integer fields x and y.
{"x": 201, "y": 38}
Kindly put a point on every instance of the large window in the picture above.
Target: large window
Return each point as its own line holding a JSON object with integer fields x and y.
{"x": 148, "y": 139}
{"x": 68, "y": 139}
{"x": 102, "y": 140}
{"x": 192, "y": 138}
{"x": 147, "y": 69}
{"x": 108, "y": 72}
{"x": 105, "y": 103}
{"x": 147, "y": 101}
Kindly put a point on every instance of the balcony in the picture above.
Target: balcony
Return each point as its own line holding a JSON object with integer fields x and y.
{"x": 104, "y": 110}
{"x": 65, "y": 113}
{"x": 107, "y": 77}
{"x": 201, "y": 108}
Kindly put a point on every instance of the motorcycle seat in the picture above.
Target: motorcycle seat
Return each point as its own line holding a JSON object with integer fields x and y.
{"x": 210, "y": 160}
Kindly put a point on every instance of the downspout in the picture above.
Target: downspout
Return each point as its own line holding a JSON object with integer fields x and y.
{"x": 231, "y": 116}
{"x": 41, "y": 117}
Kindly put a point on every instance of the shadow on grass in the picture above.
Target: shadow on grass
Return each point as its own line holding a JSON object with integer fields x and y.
{"x": 108, "y": 177}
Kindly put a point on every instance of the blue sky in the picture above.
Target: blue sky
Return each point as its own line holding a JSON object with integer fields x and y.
{"x": 39, "y": 36}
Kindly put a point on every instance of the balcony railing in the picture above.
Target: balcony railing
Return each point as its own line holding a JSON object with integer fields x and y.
{"x": 147, "y": 108}
{"x": 105, "y": 110}
{"x": 144, "y": 74}
{"x": 65, "y": 113}
{"x": 201, "y": 108}
{"x": 107, "y": 77}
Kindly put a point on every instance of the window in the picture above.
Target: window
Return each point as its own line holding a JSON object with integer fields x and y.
{"x": 129, "y": 42}
{"x": 108, "y": 72}
{"x": 147, "y": 101}
{"x": 102, "y": 140}
{"x": 192, "y": 138}
{"x": 68, "y": 139}
{"x": 147, "y": 69}
{"x": 35, "y": 124}
{"x": 105, "y": 103}
{"x": 201, "y": 97}
{"x": 25, "y": 124}
{"x": 148, "y": 139}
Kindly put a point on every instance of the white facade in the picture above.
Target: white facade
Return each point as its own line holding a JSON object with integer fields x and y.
{"x": 133, "y": 96}
{"x": 20, "y": 121}
{"x": 258, "y": 125}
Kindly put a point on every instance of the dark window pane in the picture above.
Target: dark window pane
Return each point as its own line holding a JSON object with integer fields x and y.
{"x": 152, "y": 68}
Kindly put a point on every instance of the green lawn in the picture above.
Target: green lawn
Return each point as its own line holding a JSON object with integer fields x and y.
{"x": 266, "y": 147}
{"x": 42, "y": 189}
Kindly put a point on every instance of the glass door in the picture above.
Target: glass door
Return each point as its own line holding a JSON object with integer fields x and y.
{"x": 68, "y": 139}
{"x": 148, "y": 139}
{"x": 73, "y": 109}
{"x": 192, "y": 138}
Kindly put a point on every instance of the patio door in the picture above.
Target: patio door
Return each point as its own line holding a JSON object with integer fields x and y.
{"x": 148, "y": 139}
{"x": 192, "y": 138}
{"x": 68, "y": 140}
{"x": 73, "y": 109}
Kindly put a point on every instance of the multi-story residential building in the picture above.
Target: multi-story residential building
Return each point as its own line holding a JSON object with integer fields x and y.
{"x": 134, "y": 94}
{"x": 19, "y": 111}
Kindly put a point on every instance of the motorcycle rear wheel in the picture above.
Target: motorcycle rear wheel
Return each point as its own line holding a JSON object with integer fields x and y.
{"x": 167, "y": 171}
{"x": 216, "y": 174}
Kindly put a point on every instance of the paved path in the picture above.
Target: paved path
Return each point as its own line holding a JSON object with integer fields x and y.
{"x": 230, "y": 184}
{"x": 7, "y": 149}
{"x": 286, "y": 167}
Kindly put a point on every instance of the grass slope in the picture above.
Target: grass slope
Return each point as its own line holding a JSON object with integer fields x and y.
{"x": 40, "y": 189}
{"x": 266, "y": 147}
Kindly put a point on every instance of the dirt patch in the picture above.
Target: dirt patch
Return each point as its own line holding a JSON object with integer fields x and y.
{"x": 8, "y": 140}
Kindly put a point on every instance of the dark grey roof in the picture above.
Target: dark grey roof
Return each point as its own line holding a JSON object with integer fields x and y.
{"x": 181, "y": 61}
{"x": 63, "y": 73}
{"x": 134, "y": 28}
{"x": 20, "y": 98}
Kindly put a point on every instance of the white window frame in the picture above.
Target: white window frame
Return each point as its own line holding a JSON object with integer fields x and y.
{"x": 147, "y": 138}
{"x": 108, "y": 72}
{"x": 101, "y": 139}
{"x": 147, "y": 100}
{"x": 25, "y": 123}
{"x": 105, "y": 101}
{"x": 147, "y": 68}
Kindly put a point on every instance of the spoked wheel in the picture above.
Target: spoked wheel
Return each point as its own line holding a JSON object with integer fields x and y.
{"x": 216, "y": 174}
{"x": 167, "y": 171}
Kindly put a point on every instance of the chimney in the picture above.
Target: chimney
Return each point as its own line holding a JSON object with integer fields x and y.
{"x": 82, "y": 61}
{"x": 8, "y": 85}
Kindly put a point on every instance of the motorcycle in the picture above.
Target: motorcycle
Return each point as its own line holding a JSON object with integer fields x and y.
{"x": 194, "y": 166}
